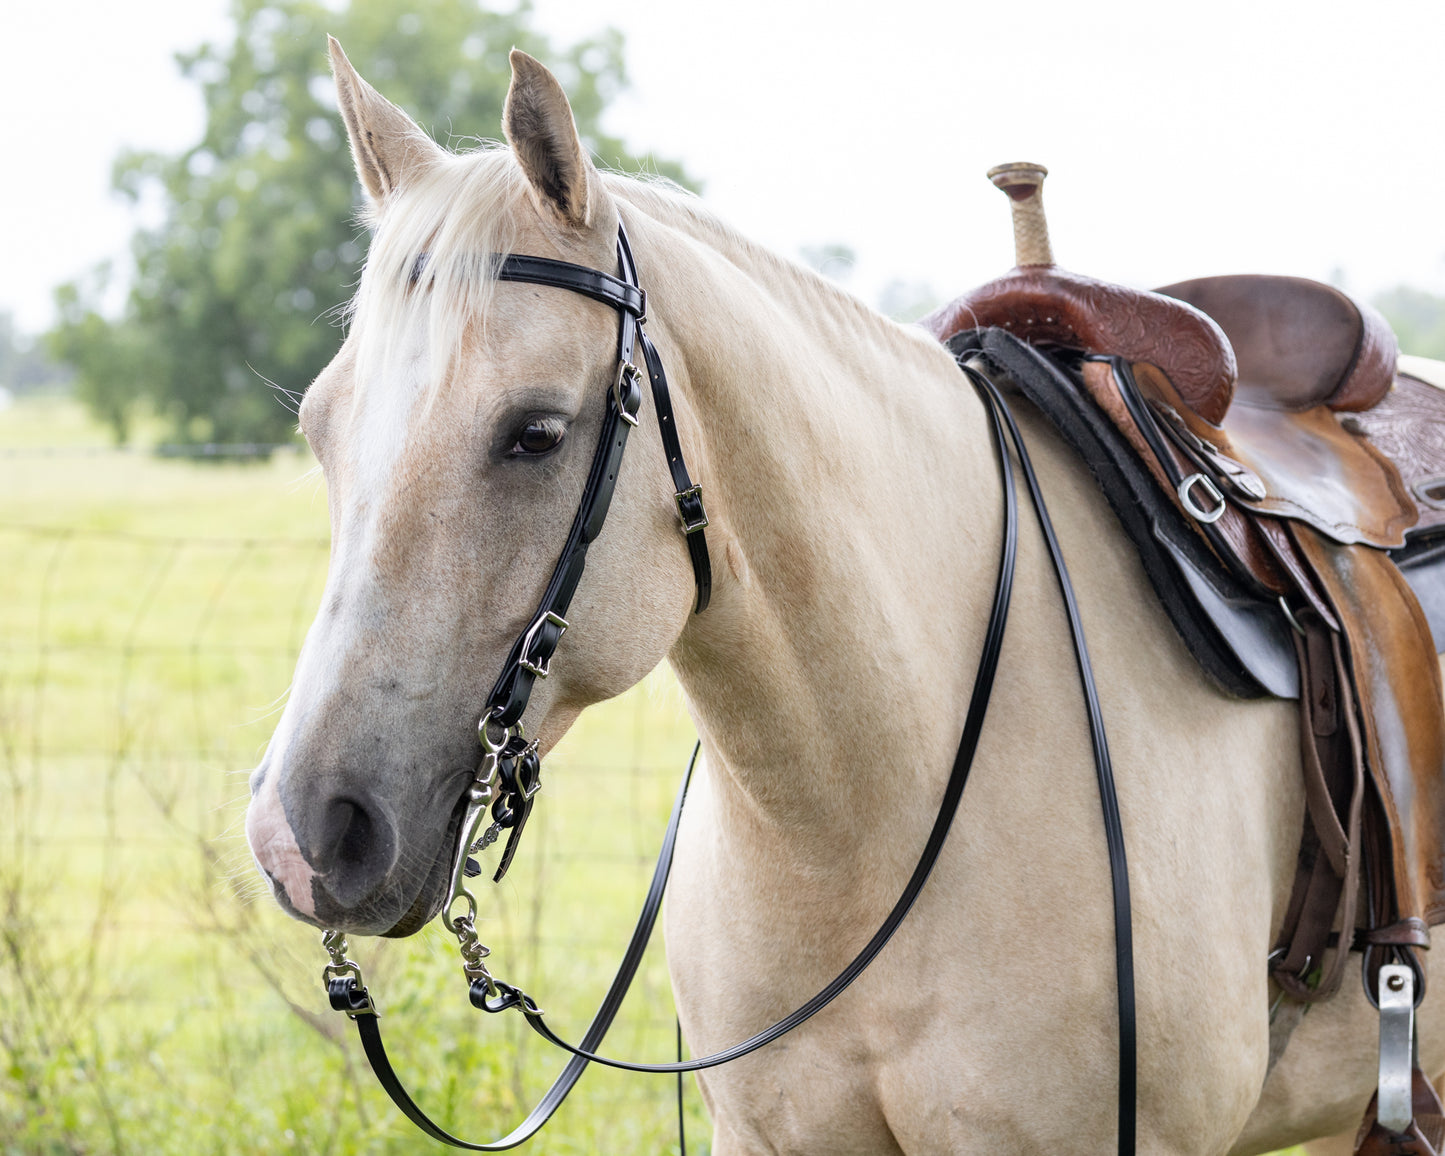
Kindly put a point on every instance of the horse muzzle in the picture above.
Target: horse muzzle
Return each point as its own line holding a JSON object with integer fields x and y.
{"x": 340, "y": 859}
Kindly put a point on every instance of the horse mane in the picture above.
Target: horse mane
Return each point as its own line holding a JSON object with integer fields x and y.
{"x": 673, "y": 205}
{"x": 438, "y": 232}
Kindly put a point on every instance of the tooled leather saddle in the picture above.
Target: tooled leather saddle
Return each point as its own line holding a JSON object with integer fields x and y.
{"x": 1284, "y": 482}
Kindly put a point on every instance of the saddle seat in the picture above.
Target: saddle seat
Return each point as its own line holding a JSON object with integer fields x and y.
{"x": 1297, "y": 343}
{"x": 1254, "y": 369}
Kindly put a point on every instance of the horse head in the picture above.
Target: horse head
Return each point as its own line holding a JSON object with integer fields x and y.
{"x": 455, "y": 429}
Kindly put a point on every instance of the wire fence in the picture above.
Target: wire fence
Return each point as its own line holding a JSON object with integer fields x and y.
{"x": 154, "y": 999}
{"x": 193, "y": 450}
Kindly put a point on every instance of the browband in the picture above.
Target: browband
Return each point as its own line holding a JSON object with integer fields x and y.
{"x": 592, "y": 283}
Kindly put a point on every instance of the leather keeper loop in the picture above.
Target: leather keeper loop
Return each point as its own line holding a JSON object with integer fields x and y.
{"x": 1411, "y": 932}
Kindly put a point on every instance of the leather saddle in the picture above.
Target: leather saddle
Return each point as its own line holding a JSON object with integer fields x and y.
{"x": 1283, "y": 479}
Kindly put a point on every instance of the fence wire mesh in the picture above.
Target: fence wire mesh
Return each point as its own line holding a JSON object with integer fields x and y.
{"x": 154, "y": 1000}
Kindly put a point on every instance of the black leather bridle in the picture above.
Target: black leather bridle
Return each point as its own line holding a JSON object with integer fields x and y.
{"x": 511, "y": 757}
{"x": 532, "y": 652}
{"x": 509, "y": 779}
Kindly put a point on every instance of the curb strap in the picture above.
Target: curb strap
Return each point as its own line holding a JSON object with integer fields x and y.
{"x": 531, "y": 653}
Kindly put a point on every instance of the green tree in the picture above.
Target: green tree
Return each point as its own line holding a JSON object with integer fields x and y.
{"x": 1418, "y": 319}
{"x": 236, "y": 288}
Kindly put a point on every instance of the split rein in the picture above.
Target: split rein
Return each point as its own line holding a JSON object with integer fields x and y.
{"x": 509, "y": 775}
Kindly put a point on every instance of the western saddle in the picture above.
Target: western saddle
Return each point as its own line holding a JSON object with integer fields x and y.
{"x": 1284, "y": 482}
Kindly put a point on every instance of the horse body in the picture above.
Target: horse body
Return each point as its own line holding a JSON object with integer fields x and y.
{"x": 855, "y": 528}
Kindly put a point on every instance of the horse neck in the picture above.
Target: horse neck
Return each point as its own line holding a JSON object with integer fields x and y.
{"x": 848, "y": 471}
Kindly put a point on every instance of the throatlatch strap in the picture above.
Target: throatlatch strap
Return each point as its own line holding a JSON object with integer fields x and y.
{"x": 687, "y": 495}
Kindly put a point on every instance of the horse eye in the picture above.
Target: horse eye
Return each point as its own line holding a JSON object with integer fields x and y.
{"x": 539, "y": 436}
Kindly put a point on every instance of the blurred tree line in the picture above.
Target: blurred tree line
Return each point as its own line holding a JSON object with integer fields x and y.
{"x": 1418, "y": 319}
{"x": 233, "y": 304}
{"x": 25, "y": 364}
{"x": 251, "y": 241}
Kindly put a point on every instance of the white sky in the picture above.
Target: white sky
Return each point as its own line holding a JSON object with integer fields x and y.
{"x": 1183, "y": 139}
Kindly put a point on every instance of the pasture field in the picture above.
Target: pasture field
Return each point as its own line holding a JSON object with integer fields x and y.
{"x": 154, "y": 1000}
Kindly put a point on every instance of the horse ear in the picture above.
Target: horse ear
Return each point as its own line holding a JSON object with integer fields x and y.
{"x": 387, "y": 145}
{"x": 539, "y": 126}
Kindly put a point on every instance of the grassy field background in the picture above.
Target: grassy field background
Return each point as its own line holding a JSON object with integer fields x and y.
{"x": 152, "y": 999}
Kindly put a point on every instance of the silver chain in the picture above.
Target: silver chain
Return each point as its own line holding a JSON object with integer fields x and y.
{"x": 464, "y": 926}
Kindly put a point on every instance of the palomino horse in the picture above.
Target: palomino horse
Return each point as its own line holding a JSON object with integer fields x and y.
{"x": 854, "y": 500}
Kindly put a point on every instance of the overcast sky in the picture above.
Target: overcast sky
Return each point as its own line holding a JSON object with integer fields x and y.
{"x": 1182, "y": 139}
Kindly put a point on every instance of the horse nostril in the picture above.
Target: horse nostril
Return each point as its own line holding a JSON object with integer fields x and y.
{"x": 355, "y": 850}
{"x": 347, "y": 834}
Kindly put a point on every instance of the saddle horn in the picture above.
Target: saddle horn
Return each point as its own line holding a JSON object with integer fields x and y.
{"x": 1042, "y": 304}
{"x": 1023, "y": 182}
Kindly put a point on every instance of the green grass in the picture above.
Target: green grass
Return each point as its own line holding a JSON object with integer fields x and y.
{"x": 150, "y": 614}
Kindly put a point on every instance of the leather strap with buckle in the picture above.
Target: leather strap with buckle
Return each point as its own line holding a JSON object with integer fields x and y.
{"x": 531, "y": 654}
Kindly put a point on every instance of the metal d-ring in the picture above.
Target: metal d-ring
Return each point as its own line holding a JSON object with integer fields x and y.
{"x": 484, "y": 734}
{"x": 1290, "y": 618}
{"x": 1191, "y": 507}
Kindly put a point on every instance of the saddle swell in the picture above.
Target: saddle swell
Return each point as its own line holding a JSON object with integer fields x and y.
{"x": 1047, "y": 305}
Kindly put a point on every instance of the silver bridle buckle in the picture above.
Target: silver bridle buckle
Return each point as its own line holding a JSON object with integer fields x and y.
{"x": 626, "y": 371}
{"x": 699, "y": 520}
{"x": 540, "y": 669}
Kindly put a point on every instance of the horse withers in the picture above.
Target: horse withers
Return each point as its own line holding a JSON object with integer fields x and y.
{"x": 854, "y": 525}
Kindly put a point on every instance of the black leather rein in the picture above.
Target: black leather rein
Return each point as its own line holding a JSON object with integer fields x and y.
{"x": 529, "y": 660}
